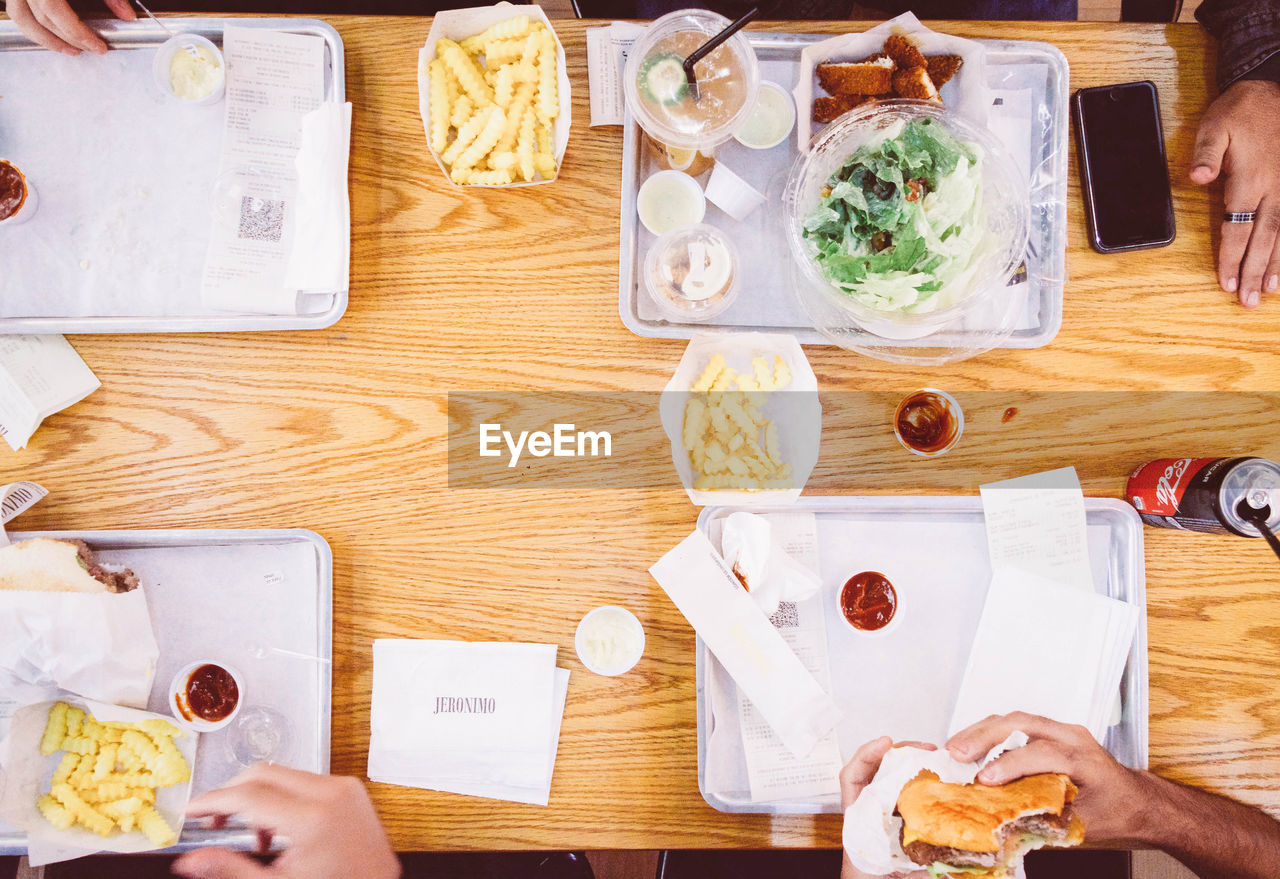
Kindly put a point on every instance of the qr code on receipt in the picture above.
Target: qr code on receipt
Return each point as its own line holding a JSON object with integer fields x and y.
{"x": 787, "y": 616}
{"x": 261, "y": 219}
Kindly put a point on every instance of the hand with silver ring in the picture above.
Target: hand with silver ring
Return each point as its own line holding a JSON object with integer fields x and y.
{"x": 1236, "y": 141}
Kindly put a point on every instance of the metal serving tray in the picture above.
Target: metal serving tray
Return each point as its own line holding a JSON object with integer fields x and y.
{"x": 1122, "y": 565}
{"x": 766, "y": 272}
{"x": 274, "y": 589}
{"x": 145, "y": 34}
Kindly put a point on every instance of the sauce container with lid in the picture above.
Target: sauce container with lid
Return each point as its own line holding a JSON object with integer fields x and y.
{"x": 692, "y": 272}
{"x": 206, "y": 695}
{"x": 211, "y": 80}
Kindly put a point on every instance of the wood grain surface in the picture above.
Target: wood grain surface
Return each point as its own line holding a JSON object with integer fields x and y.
{"x": 344, "y": 431}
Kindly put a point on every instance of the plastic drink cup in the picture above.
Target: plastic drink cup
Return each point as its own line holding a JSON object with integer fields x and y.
{"x": 658, "y": 93}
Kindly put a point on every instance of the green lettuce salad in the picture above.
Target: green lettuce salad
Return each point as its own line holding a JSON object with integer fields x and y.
{"x": 899, "y": 227}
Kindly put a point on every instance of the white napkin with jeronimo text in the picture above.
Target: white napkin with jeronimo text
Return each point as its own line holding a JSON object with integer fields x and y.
{"x": 476, "y": 718}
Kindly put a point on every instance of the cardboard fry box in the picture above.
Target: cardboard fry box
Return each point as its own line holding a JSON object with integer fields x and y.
{"x": 795, "y": 409}
{"x": 967, "y": 92}
{"x": 457, "y": 25}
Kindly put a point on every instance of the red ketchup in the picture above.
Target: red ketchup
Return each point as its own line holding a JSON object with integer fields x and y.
{"x": 211, "y": 694}
{"x": 868, "y": 601}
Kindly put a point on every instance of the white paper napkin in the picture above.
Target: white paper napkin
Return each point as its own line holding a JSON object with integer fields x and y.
{"x": 1046, "y": 649}
{"x": 473, "y": 718}
{"x": 753, "y": 553}
{"x": 321, "y": 250}
{"x": 39, "y": 375}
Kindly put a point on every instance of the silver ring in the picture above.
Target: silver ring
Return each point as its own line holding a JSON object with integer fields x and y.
{"x": 1239, "y": 216}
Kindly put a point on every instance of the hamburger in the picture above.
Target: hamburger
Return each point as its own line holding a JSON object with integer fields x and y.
{"x": 978, "y": 831}
{"x": 43, "y": 564}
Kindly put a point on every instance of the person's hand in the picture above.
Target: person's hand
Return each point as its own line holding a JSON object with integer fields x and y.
{"x": 332, "y": 828}
{"x": 856, "y": 775}
{"x": 55, "y": 25}
{"x": 1111, "y": 797}
{"x": 1238, "y": 138}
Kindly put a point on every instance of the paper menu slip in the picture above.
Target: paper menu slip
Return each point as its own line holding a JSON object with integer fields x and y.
{"x": 39, "y": 375}
{"x": 1046, "y": 649}
{"x": 740, "y": 636}
{"x": 1036, "y": 523}
{"x": 773, "y": 772}
{"x": 274, "y": 79}
{"x": 606, "y": 60}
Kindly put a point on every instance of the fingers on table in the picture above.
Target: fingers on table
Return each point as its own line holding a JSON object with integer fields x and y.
{"x": 59, "y": 18}
{"x": 1258, "y": 256}
{"x": 1211, "y": 145}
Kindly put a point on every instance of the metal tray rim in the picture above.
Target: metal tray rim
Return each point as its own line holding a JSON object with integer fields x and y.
{"x": 1137, "y": 684}
{"x": 240, "y": 838}
{"x": 141, "y": 34}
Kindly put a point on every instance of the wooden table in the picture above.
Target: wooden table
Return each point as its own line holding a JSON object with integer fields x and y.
{"x": 343, "y": 431}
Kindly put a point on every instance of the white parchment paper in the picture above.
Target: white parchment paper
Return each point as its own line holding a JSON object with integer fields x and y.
{"x": 125, "y": 177}
{"x": 27, "y": 775}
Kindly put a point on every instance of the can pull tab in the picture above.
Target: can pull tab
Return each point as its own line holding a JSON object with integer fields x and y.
{"x": 1259, "y": 516}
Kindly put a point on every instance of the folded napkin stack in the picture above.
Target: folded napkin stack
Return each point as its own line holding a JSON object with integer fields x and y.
{"x": 471, "y": 718}
{"x": 1046, "y": 649}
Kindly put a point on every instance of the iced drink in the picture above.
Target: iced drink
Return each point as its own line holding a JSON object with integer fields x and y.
{"x": 683, "y": 132}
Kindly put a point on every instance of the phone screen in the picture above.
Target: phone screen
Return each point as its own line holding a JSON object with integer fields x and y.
{"x": 1127, "y": 173}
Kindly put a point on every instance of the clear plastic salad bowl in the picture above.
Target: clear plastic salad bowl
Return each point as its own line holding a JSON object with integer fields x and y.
{"x": 940, "y": 293}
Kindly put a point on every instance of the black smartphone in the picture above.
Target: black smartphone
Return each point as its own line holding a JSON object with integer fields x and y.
{"x": 1123, "y": 168}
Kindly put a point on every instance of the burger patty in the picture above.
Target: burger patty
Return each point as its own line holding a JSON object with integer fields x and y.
{"x": 1050, "y": 826}
{"x": 115, "y": 581}
{"x": 924, "y": 853}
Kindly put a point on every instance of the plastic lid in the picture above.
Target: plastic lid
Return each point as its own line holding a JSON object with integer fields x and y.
{"x": 692, "y": 272}
{"x": 658, "y": 95}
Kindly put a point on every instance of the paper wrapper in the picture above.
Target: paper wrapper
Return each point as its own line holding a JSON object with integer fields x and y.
{"x": 457, "y": 25}
{"x": 872, "y": 833}
{"x": 98, "y": 646}
{"x": 967, "y": 92}
{"x": 796, "y": 410}
{"x": 27, "y": 775}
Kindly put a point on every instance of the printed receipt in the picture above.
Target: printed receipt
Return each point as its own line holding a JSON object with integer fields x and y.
{"x": 773, "y": 772}
{"x": 606, "y": 59}
{"x": 273, "y": 80}
{"x": 39, "y": 375}
{"x": 1037, "y": 523}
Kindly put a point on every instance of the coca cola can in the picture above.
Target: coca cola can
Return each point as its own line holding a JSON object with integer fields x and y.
{"x": 1204, "y": 494}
